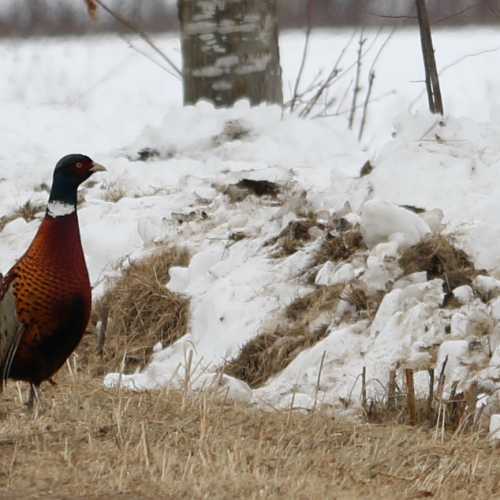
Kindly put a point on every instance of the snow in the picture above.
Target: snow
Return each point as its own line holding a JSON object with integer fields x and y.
{"x": 495, "y": 427}
{"x": 330, "y": 275}
{"x": 97, "y": 97}
{"x": 382, "y": 221}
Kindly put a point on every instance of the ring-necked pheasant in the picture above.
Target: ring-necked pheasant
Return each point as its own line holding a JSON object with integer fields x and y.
{"x": 45, "y": 298}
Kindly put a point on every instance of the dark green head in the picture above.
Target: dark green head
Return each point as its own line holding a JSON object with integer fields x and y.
{"x": 70, "y": 172}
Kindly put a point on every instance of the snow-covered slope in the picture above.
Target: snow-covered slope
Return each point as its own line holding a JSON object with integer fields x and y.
{"x": 99, "y": 98}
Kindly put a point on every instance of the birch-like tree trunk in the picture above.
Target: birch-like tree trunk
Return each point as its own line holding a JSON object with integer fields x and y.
{"x": 230, "y": 51}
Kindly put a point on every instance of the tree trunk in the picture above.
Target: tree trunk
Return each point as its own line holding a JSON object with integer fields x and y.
{"x": 230, "y": 51}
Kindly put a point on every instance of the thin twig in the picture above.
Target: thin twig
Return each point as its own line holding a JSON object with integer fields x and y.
{"x": 363, "y": 388}
{"x": 458, "y": 13}
{"x": 328, "y": 80}
{"x": 147, "y": 56}
{"x": 135, "y": 29}
{"x": 357, "y": 79}
{"x": 304, "y": 55}
{"x": 451, "y": 65}
{"x": 371, "y": 80}
{"x": 316, "y": 391}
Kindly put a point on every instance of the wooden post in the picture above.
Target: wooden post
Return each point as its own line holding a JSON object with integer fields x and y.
{"x": 430, "y": 398}
{"x": 363, "y": 388}
{"x": 431, "y": 73}
{"x": 391, "y": 391}
{"x": 410, "y": 397}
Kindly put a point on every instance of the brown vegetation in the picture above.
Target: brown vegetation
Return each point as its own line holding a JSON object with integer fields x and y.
{"x": 271, "y": 352}
{"x": 109, "y": 444}
{"x": 245, "y": 187}
{"x": 140, "y": 311}
{"x": 275, "y": 348}
{"x": 340, "y": 246}
{"x": 28, "y": 212}
{"x": 295, "y": 235}
{"x": 440, "y": 259}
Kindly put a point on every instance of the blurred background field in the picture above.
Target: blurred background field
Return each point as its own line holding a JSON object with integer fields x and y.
{"x": 62, "y": 17}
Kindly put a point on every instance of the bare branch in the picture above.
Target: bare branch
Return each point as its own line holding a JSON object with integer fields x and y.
{"x": 304, "y": 55}
{"x": 387, "y": 16}
{"x": 457, "y": 14}
{"x": 142, "y": 34}
{"x": 357, "y": 88}
{"x": 328, "y": 81}
{"x": 147, "y": 56}
{"x": 371, "y": 80}
{"x": 451, "y": 65}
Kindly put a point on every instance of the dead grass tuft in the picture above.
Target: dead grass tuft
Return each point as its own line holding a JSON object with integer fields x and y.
{"x": 271, "y": 352}
{"x": 28, "y": 212}
{"x": 274, "y": 349}
{"x": 234, "y": 130}
{"x": 440, "y": 259}
{"x": 114, "y": 194}
{"x": 304, "y": 324}
{"x": 340, "y": 246}
{"x": 366, "y": 305}
{"x": 295, "y": 235}
{"x": 308, "y": 308}
{"x": 246, "y": 187}
{"x": 140, "y": 311}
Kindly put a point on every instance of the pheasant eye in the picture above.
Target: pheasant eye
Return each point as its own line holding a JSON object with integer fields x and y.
{"x": 79, "y": 164}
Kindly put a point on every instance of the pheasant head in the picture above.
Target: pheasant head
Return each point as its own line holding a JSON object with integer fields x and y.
{"x": 70, "y": 172}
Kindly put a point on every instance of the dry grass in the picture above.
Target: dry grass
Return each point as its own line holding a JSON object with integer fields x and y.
{"x": 275, "y": 348}
{"x": 340, "y": 246}
{"x": 440, "y": 259}
{"x": 140, "y": 311}
{"x": 246, "y": 187}
{"x": 28, "y": 212}
{"x": 304, "y": 324}
{"x": 234, "y": 130}
{"x": 114, "y": 194}
{"x": 271, "y": 352}
{"x": 88, "y": 442}
{"x": 366, "y": 306}
{"x": 295, "y": 235}
{"x": 306, "y": 309}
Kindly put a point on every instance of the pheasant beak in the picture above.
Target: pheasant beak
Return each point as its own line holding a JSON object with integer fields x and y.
{"x": 96, "y": 167}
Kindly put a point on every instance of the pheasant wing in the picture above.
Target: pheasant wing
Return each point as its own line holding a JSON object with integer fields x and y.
{"x": 10, "y": 328}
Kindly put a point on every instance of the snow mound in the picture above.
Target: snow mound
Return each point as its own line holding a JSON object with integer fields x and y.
{"x": 385, "y": 317}
{"x": 239, "y": 288}
{"x": 382, "y": 221}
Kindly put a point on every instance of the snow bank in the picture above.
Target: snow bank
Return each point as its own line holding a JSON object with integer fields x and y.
{"x": 112, "y": 104}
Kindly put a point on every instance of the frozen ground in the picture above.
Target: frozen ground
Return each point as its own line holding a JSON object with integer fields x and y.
{"x": 101, "y": 98}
